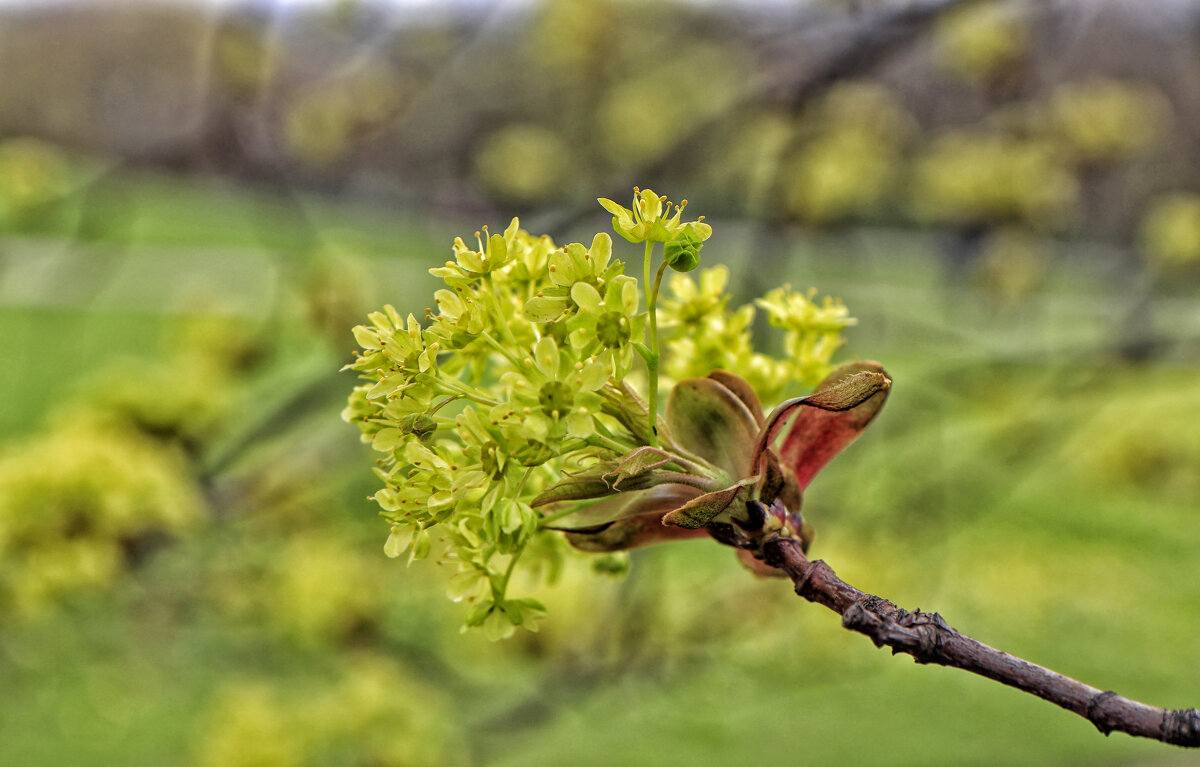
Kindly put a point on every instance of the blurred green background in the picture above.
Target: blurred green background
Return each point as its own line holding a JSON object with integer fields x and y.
{"x": 197, "y": 201}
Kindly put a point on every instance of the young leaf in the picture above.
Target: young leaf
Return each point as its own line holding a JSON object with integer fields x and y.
{"x": 622, "y": 478}
{"x": 827, "y": 420}
{"x": 741, "y": 389}
{"x": 700, "y": 511}
{"x": 639, "y": 461}
{"x": 710, "y": 420}
{"x": 596, "y": 517}
{"x": 578, "y": 488}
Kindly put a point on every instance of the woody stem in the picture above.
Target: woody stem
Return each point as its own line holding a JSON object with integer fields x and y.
{"x": 929, "y": 639}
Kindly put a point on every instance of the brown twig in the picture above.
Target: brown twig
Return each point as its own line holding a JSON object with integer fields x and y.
{"x": 928, "y": 638}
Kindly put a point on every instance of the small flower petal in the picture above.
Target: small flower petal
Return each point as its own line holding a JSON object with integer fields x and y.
{"x": 545, "y": 356}
{"x": 587, "y": 297}
{"x": 592, "y": 377}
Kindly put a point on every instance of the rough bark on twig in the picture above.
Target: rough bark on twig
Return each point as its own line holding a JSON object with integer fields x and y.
{"x": 928, "y": 638}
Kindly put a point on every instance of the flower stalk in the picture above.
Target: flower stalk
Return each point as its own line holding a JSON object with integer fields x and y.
{"x": 653, "y": 357}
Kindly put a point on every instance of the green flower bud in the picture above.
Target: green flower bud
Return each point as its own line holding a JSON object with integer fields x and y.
{"x": 533, "y": 453}
{"x": 419, "y": 424}
{"x": 683, "y": 253}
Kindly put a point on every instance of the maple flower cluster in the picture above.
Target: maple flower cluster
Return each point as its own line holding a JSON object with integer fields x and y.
{"x": 525, "y": 375}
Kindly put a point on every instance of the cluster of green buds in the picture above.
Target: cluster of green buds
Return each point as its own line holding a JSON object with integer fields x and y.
{"x": 511, "y": 414}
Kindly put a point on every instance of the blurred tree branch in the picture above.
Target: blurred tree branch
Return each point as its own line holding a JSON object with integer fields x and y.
{"x": 860, "y": 46}
{"x": 928, "y": 638}
{"x": 870, "y": 40}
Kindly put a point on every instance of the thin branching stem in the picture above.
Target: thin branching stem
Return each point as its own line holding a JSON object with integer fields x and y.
{"x": 929, "y": 639}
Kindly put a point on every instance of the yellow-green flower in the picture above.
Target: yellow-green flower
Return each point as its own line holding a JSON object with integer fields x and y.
{"x": 556, "y": 393}
{"x": 607, "y": 326}
{"x": 567, "y": 267}
{"x": 469, "y": 265}
{"x": 528, "y": 255}
{"x": 814, "y": 331}
{"x": 575, "y": 263}
{"x": 650, "y": 219}
{"x": 797, "y": 311}
{"x": 693, "y": 303}
{"x": 420, "y": 487}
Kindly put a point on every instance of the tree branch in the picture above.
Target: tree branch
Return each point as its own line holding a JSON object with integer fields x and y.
{"x": 928, "y": 638}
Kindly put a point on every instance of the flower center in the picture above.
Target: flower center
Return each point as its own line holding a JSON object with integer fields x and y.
{"x": 556, "y": 399}
{"x": 612, "y": 328}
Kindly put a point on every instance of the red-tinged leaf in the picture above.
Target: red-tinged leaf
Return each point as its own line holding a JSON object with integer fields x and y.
{"x": 827, "y": 420}
{"x": 742, "y": 390}
{"x": 778, "y": 483}
{"x": 631, "y": 533}
{"x": 628, "y": 520}
{"x": 817, "y": 435}
{"x": 711, "y": 421}
{"x": 845, "y": 389}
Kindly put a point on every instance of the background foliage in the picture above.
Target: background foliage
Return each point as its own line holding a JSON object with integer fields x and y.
{"x": 196, "y": 206}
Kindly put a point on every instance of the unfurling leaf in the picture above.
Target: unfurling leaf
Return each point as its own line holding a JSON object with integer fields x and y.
{"x": 741, "y": 389}
{"x": 698, "y": 512}
{"x": 637, "y": 462}
{"x": 639, "y": 469}
{"x": 628, "y": 520}
{"x": 713, "y": 422}
{"x": 578, "y": 488}
{"x": 631, "y": 533}
{"x": 827, "y": 420}
{"x": 595, "y": 516}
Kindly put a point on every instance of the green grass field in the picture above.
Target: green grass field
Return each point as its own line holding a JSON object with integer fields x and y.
{"x": 1023, "y": 481}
